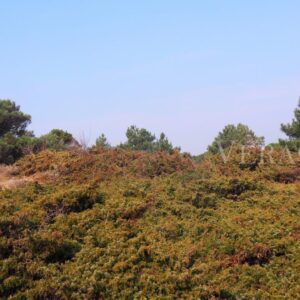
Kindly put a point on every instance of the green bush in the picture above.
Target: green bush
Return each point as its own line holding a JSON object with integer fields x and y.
{"x": 57, "y": 139}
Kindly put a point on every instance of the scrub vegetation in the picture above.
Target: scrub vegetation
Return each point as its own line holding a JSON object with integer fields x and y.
{"x": 121, "y": 223}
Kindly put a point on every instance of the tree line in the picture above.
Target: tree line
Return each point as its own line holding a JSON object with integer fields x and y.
{"x": 16, "y": 140}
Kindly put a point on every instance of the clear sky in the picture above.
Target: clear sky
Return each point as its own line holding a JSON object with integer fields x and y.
{"x": 187, "y": 68}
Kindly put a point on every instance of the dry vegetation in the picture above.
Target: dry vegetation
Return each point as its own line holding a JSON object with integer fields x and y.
{"x": 9, "y": 177}
{"x": 119, "y": 224}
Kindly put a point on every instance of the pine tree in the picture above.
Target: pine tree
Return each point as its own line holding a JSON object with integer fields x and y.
{"x": 163, "y": 144}
{"x": 292, "y": 130}
{"x": 139, "y": 139}
{"x": 101, "y": 141}
{"x": 239, "y": 135}
{"x": 13, "y": 134}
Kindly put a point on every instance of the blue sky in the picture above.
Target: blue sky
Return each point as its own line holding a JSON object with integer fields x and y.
{"x": 187, "y": 68}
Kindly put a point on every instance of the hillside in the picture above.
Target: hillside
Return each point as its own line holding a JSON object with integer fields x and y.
{"x": 121, "y": 224}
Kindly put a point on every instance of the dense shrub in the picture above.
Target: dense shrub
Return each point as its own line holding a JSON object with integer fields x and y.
{"x": 57, "y": 139}
{"x": 119, "y": 224}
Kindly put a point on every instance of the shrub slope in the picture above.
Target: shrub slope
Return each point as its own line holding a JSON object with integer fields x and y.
{"x": 124, "y": 224}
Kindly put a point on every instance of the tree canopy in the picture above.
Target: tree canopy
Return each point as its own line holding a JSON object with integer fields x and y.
{"x": 12, "y": 120}
{"x": 143, "y": 140}
{"x": 139, "y": 139}
{"x": 101, "y": 141}
{"x": 13, "y": 134}
{"x": 163, "y": 144}
{"x": 231, "y": 134}
{"x": 292, "y": 130}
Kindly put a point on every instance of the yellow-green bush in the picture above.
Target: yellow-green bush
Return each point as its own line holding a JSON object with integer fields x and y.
{"x": 101, "y": 228}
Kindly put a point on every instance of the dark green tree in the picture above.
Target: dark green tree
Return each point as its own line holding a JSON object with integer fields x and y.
{"x": 12, "y": 120}
{"x": 101, "y": 141}
{"x": 13, "y": 135}
{"x": 144, "y": 140}
{"x": 292, "y": 130}
{"x": 241, "y": 135}
{"x": 163, "y": 144}
{"x": 139, "y": 139}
